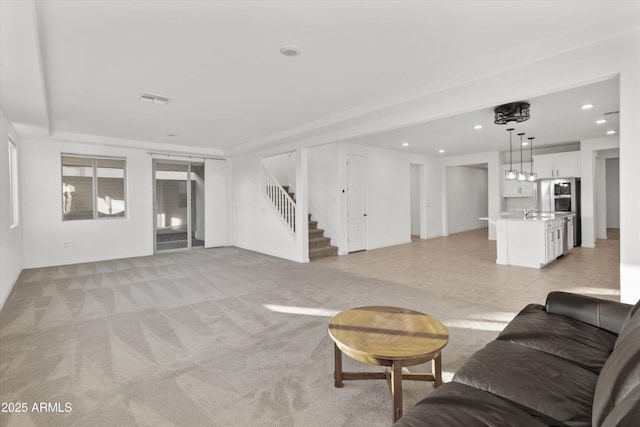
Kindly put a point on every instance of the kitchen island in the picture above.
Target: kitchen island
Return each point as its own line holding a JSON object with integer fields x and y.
{"x": 532, "y": 240}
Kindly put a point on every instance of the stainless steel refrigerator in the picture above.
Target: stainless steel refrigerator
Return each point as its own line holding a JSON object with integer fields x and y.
{"x": 561, "y": 196}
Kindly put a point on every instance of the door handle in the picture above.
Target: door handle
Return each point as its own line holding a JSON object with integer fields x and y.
{"x": 365, "y": 214}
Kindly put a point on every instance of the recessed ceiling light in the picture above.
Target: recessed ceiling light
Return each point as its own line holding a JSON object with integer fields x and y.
{"x": 601, "y": 121}
{"x": 441, "y": 151}
{"x": 150, "y": 98}
{"x": 586, "y": 106}
{"x": 405, "y": 144}
{"x": 290, "y": 50}
{"x": 611, "y": 132}
{"x": 477, "y": 127}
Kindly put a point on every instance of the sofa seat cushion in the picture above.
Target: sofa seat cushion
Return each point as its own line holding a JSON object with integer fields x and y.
{"x": 455, "y": 404}
{"x": 578, "y": 342}
{"x": 540, "y": 382}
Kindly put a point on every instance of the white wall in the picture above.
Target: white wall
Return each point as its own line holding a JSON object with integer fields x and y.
{"x": 218, "y": 229}
{"x": 280, "y": 166}
{"x": 388, "y": 194}
{"x": 626, "y": 59}
{"x": 50, "y": 241}
{"x": 11, "y": 260}
{"x": 324, "y": 190}
{"x": 467, "y": 198}
{"x": 589, "y": 182}
{"x": 256, "y": 226}
{"x": 494, "y": 177}
{"x": 414, "y": 188}
{"x": 612, "y": 167}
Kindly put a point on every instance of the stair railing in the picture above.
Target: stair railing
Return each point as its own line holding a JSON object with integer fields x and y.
{"x": 279, "y": 200}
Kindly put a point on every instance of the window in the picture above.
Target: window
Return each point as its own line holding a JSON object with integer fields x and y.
{"x": 93, "y": 187}
{"x": 13, "y": 183}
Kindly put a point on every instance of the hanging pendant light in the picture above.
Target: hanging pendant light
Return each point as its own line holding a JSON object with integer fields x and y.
{"x": 521, "y": 175}
{"x": 510, "y": 175}
{"x": 532, "y": 176}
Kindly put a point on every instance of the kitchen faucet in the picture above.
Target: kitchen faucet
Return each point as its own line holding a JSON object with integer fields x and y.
{"x": 527, "y": 212}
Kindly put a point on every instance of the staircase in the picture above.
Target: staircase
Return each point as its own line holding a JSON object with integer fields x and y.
{"x": 319, "y": 246}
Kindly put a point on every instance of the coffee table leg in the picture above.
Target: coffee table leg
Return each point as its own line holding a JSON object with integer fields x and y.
{"x": 337, "y": 373}
{"x": 436, "y": 366}
{"x": 396, "y": 389}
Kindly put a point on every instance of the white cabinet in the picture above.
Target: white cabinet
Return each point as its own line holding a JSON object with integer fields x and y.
{"x": 558, "y": 165}
{"x": 544, "y": 166}
{"x": 553, "y": 240}
{"x": 517, "y": 188}
{"x": 528, "y": 243}
{"x": 567, "y": 164}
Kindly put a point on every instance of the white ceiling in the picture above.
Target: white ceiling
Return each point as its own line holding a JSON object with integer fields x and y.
{"x": 79, "y": 67}
{"x": 556, "y": 119}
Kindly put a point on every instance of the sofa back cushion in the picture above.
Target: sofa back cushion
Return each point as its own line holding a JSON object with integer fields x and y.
{"x": 605, "y": 314}
{"x": 631, "y": 323}
{"x": 620, "y": 374}
{"x": 626, "y": 413}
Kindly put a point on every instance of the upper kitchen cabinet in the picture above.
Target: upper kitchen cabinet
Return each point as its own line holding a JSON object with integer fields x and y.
{"x": 558, "y": 165}
{"x": 518, "y": 188}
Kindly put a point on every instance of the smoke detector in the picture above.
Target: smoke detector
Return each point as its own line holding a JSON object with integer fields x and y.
{"x": 290, "y": 50}
{"x": 150, "y": 98}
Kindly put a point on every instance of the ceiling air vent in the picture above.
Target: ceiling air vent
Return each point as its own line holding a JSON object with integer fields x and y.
{"x": 290, "y": 50}
{"x": 150, "y": 98}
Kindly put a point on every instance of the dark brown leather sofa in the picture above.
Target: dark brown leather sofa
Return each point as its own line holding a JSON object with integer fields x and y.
{"x": 573, "y": 362}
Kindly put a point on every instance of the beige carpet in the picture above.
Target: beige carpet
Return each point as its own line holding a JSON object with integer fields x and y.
{"x": 228, "y": 337}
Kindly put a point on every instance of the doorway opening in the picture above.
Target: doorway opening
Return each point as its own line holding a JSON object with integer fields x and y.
{"x": 612, "y": 195}
{"x": 178, "y": 205}
{"x": 467, "y": 197}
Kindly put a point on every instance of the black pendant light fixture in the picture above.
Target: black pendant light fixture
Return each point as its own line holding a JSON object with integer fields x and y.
{"x": 521, "y": 175}
{"x": 532, "y": 175}
{"x": 510, "y": 175}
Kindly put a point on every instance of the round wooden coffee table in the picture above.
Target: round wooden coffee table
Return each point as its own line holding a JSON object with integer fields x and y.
{"x": 388, "y": 336}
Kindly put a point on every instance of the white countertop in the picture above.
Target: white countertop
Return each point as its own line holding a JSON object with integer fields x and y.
{"x": 533, "y": 216}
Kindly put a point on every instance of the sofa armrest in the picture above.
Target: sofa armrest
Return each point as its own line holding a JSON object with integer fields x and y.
{"x": 605, "y": 314}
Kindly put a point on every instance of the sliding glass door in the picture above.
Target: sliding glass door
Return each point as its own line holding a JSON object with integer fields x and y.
{"x": 178, "y": 205}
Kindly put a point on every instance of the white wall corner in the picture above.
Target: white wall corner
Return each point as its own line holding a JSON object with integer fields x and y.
{"x": 11, "y": 235}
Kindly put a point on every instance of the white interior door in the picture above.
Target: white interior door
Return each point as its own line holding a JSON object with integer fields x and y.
{"x": 215, "y": 203}
{"x": 356, "y": 204}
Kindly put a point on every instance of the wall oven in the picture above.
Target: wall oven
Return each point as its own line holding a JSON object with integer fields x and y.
{"x": 564, "y": 195}
{"x": 562, "y": 204}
